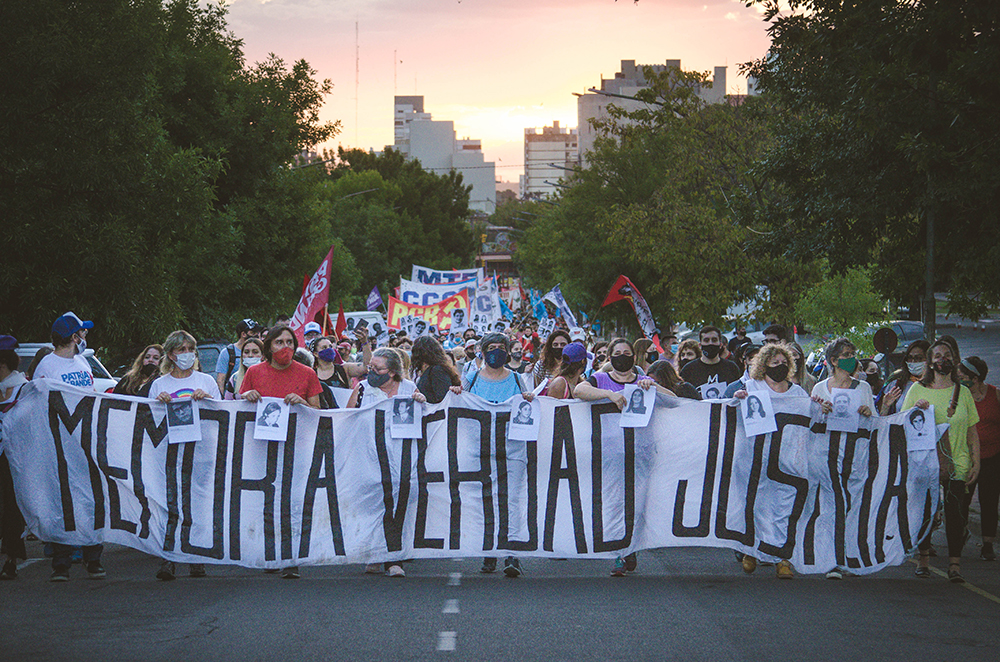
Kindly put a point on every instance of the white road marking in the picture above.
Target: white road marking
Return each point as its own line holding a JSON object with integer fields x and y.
{"x": 450, "y": 607}
{"x": 447, "y": 640}
{"x": 25, "y": 564}
{"x": 454, "y": 578}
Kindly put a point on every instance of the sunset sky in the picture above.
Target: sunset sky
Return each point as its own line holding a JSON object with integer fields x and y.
{"x": 494, "y": 67}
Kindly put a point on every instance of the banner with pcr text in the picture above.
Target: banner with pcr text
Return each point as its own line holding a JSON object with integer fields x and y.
{"x": 339, "y": 488}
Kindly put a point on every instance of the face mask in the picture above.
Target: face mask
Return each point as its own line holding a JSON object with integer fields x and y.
{"x": 147, "y": 369}
{"x": 516, "y": 356}
{"x": 652, "y": 356}
{"x": 328, "y": 354}
{"x": 674, "y": 347}
{"x": 557, "y": 352}
{"x": 470, "y": 353}
{"x": 376, "y": 380}
{"x": 496, "y": 357}
{"x": 283, "y": 356}
{"x": 711, "y": 351}
{"x": 622, "y": 362}
{"x": 81, "y": 346}
{"x": 777, "y": 373}
{"x": 944, "y": 367}
{"x": 967, "y": 383}
{"x": 184, "y": 360}
{"x": 847, "y": 365}
{"x": 916, "y": 369}
{"x": 250, "y": 361}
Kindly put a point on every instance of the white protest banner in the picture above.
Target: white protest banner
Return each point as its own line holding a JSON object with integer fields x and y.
{"x": 90, "y": 468}
{"x": 434, "y": 276}
{"x": 422, "y": 294}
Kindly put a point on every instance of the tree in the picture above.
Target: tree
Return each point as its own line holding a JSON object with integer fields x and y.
{"x": 891, "y": 130}
{"x": 839, "y": 303}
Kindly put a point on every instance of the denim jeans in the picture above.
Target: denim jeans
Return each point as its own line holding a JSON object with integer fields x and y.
{"x": 61, "y": 555}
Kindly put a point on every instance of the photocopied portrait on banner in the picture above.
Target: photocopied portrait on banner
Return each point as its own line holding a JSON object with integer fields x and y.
{"x": 272, "y": 420}
{"x": 524, "y": 419}
{"x": 845, "y": 416}
{"x": 757, "y": 413}
{"x": 183, "y": 421}
{"x": 405, "y": 419}
{"x": 638, "y": 406}
{"x": 920, "y": 430}
{"x": 713, "y": 390}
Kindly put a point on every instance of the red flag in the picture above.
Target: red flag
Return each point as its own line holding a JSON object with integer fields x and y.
{"x": 625, "y": 289}
{"x": 341, "y": 322}
{"x": 315, "y": 296}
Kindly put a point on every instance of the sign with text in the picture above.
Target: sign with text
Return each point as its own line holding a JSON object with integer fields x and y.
{"x": 437, "y": 314}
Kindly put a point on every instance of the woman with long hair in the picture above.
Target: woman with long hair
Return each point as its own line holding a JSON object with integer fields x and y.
{"x": 645, "y": 353}
{"x": 801, "y": 375}
{"x": 145, "y": 369}
{"x": 251, "y": 355}
{"x": 436, "y": 375}
{"x": 569, "y": 373}
{"x": 959, "y": 451}
{"x": 551, "y": 356}
{"x": 663, "y": 373}
{"x": 894, "y": 391}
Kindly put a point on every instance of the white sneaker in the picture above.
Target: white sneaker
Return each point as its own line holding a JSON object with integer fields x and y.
{"x": 836, "y": 573}
{"x": 396, "y": 571}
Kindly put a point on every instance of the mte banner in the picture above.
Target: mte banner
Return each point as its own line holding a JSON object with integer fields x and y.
{"x": 338, "y": 489}
{"x": 433, "y": 276}
{"x": 436, "y": 314}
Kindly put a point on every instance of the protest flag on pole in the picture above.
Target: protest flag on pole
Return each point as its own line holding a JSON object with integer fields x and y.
{"x": 315, "y": 297}
{"x": 555, "y": 296}
{"x": 341, "y": 321}
{"x": 625, "y": 289}
{"x": 374, "y": 301}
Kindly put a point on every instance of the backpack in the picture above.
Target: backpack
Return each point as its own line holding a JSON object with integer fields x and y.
{"x": 232, "y": 363}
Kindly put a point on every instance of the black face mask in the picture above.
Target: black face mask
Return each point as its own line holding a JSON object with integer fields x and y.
{"x": 711, "y": 351}
{"x": 147, "y": 369}
{"x": 944, "y": 367}
{"x": 651, "y": 357}
{"x": 777, "y": 373}
{"x": 622, "y": 362}
{"x": 557, "y": 352}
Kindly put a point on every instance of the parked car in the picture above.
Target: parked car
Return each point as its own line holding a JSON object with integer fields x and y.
{"x": 103, "y": 381}
{"x": 208, "y": 354}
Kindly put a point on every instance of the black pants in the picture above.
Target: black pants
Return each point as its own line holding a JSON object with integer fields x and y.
{"x": 11, "y": 521}
{"x": 989, "y": 494}
{"x": 956, "y": 516}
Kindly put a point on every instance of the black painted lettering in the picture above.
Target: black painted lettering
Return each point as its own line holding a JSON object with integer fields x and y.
{"x": 113, "y": 474}
{"x": 564, "y": 443}
{"x": 322, "y": 476}
{"x": 481, "y": 475}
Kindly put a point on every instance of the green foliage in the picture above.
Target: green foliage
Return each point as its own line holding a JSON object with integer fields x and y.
{"x": 143, "y": 170}
{"x": 891, "y": 118}
{"x": 839, "y": 303}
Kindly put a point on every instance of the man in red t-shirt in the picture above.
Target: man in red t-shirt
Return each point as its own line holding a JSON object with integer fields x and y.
{"x": 279, "y": 376}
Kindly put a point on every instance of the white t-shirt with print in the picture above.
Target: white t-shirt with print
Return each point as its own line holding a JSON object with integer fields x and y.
{"x": 74, "y": 371}
{"x": 185, "y": 388}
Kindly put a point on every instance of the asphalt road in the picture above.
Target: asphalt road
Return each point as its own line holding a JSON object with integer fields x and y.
{"x": 693, "y": 604}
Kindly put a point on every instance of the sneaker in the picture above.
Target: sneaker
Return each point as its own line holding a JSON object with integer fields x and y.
{"x": 60, "y": 575}
{"x": 373, "y": 569}
{"x": 95, "y": 570}
{"x": 197, "y": 570}
{"x": 836, "y": 573}
{"x": 784, "y": 570}
{"x": 9, "y": 570}
{"x": 167, "y": 571}
{"x": 955, "y": 574}
{"x": 619, "y": 569}
{"x": 489, "y": 566}
{"x": 512, "y": 567}
{"x": 986, "y": 553}
{"x": 290, "y": 572}
{"x": 395, "y": 571}
{"x": 632, "y": 562}
{"x": 922, "y": 572}
{"x": 749, "y": 564}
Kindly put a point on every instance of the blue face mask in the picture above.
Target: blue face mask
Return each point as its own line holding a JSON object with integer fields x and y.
{"x": 328, "y": 354}
{"x": 674, "y": 347}
{"x": 495, "y": 358}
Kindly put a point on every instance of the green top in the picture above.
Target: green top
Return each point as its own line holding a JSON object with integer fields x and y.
{"x": 965, "y": 417}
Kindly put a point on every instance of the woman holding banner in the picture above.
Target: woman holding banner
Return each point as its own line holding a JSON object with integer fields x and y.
{"x": 609, "y": 385}
{"x": 330, "y": 370}
{"x": 385, "y": 381}
{"x": 569, "y": 373}
{"x": 770, "y": 370}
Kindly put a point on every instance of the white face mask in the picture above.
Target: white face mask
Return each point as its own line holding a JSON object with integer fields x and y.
{"x": 916, "y": 369}
{"x": 81, "y": 346}
{"x": 184, "y": 360}
{"x": 249, "y": 361}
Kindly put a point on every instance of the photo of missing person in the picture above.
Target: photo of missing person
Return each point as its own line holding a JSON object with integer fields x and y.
{"x": 636, "y": 403}
{"x": 269, "y": 417}
{"x": 180, "y": 413}
{"x": 755, "y": 408}
{"x": 402, "y": 411}
{"x": 524, "y": 415}
{"x": 921, "y": 432}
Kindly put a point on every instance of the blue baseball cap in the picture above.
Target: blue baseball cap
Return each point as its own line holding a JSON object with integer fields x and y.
{"x": 574, "y": 352}
{"x": 10, "y": 342}
{"x": 69, "y": 324}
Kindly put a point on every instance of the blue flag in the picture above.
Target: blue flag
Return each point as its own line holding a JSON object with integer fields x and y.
{"x": 374, "y": 299}
{"x": 555, "y": 296}
{"x": 505, "y": 310}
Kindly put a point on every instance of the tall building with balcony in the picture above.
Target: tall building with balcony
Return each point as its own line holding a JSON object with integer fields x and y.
{"x": 549, "y": 155}
{"x": 433, "y": 143}
{"x": 626, "y": 83}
